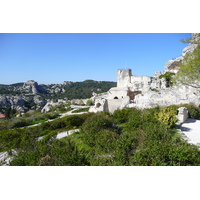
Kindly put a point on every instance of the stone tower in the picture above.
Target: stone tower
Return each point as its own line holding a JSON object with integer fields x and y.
{"x": 124, "y": 77}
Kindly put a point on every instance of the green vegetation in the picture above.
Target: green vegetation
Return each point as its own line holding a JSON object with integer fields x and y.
{"x": 167, "y": 116}
{"x": 61, "y": 108}
{"x": 35, "y": 122}
{"x": 189, "y": 72}
{"x": 81, "y": 90}
{"x": 155, "y": 90}
{"x": 193, "y": 111}
{"x": 126, "y": 137}
{"x": 168, "y": 77}
{"x": 27, "y": 120}
{"x": 81, "y": 110}
{"x": 89, "y": 103}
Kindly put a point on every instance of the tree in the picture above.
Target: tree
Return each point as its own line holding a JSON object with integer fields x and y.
{"x": 8, "y": 112}
{"x": 189, "y": 72}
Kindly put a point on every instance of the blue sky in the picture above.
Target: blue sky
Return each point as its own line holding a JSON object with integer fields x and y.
{"x": 57, "y": 57}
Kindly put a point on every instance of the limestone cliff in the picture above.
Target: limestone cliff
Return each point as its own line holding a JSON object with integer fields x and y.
{"x": 33, "y": 87}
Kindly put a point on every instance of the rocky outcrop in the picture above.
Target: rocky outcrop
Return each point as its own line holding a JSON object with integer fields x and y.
{"x": 51, "y": 103}
{"x": 66, "y": 83}
{"x": 21, "y": 103}
{"x": 33, "y": 87}
{"x": 173, "y": 65}
{"x": 11, "y": 100}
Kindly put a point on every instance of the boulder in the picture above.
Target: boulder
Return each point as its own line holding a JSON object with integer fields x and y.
{"x": 182, "y": 115}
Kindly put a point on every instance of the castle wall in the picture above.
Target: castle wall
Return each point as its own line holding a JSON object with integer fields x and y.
{"x": 117, "y": 93}
{"x": 140, "y": 79}
{"x": 123, "y": 77}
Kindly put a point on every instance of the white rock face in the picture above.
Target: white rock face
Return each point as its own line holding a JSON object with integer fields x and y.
{"x": 33, "y": 87}
{"x": 172, "y": 65}
{"x": 189, "y": 49}
{"x": 51, "y": 104}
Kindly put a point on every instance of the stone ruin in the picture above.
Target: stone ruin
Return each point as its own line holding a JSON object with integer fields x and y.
{"x": 182, "y": 115}
{"x": 147, "y": 92}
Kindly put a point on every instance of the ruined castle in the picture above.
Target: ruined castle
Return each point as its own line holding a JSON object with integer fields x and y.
{"x": 147, "y": 92}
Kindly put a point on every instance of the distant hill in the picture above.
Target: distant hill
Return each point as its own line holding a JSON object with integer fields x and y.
{"x": 78, "y": 90}
{"x": 17, "y": 84}
{"x": 31, "y": 96}
{"x": 14, "y": 84}
{"x": 70, "y": 90}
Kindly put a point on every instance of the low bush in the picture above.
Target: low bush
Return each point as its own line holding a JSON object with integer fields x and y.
{"x": 121, "y": 116}
{"x": 167, "y": 116}
{"x": 93, "y": 125}
{"x": 193, "y": 111}
{"x": 89, "y": 102}
{"x": 16, "y": 123}
{"x": 43, "y": 132}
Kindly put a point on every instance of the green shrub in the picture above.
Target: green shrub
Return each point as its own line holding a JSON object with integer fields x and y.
{"x": 51, "y": 115}
{"x": 16, "y": 123}
{"x": 167, "y": 116}
{"x": 134, "y": 119}
{"x": 105, "y": 141}
{"x": 89, "y": 102}
{"x": 174, "y": 107}
{"x": 193, "y": 111}
{"x": 168, "y": 76}
{"x": 93, "y": 125}
{"x": 72, "y": 121}
{"x": 121, "y": 116}
{"x": 57, "y": 124}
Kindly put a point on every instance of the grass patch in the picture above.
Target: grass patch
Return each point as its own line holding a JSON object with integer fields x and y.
{"x": 81, "y": 110}
{"x": 43, "y": 132}
{"x": 35, "y": 122}
{"x": 76, "y": 138}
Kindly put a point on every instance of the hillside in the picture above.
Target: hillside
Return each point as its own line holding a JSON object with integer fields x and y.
{"x": 22, "y": 97}
{"x": 77, "y": 90}
{"x": 128, "y": 137}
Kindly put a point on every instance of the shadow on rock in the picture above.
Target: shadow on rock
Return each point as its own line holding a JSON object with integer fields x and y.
{"x": 189, "y": 120}
{"x": 186, "y": 129}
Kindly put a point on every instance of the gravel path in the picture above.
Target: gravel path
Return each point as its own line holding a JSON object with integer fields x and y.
{"x": 191, "y": 131}
{"x": 66, "y": 133}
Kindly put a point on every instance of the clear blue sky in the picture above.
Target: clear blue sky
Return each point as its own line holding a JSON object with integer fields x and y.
{"x": 57, "y": 57}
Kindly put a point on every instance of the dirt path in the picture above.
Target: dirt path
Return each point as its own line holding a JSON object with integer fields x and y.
{"x": 191, "y": 131}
